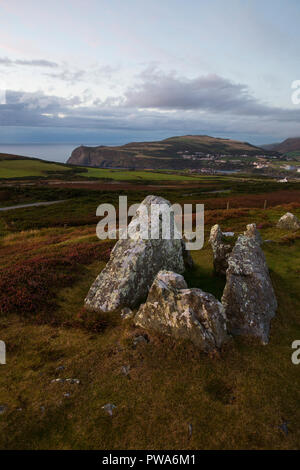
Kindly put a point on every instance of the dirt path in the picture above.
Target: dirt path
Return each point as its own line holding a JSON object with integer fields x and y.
{"x": 34, "y": 204}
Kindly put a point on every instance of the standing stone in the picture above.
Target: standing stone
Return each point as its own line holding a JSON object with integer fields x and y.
{"x": 248, "y": 297}
{"x": 173, "y": 309}
{"x": 252, "y": 232}
{"x": 289, "y": 222}
{"x": 134, "y": 262}
{"x": 221, "y": 250}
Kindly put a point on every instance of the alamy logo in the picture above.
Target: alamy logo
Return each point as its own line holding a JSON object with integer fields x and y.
{"x": 296, "y": 354}
{"x": 153, "y": 221}
{"x": 2, "y": 353}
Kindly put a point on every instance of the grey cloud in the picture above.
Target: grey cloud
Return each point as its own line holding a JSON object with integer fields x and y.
{"x": 68, "y": 76}
{"x": 40, "y": 110}
{"x": 35, "y": 62}
{"x": 210, "y": 93}
{"x": 167, "y": 91}
{"x": 81, "y": 75}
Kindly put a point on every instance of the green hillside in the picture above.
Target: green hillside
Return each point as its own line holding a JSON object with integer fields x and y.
{"x": 22, "y": 168}
{"x": 15, "y": 166}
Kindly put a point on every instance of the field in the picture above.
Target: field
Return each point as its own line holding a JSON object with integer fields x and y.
{"x": 28, "y": 168}
{"x": 49, "y": 256}
{"x": 123, "y": 175}
{"x": 20, "y": 168}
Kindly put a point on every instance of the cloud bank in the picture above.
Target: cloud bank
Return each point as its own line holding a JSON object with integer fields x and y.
{"x": 158, "y": 101}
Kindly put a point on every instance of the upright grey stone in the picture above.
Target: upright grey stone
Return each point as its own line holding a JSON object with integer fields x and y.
{"x": 221, "y": 250}
{"x": 134, "y": 263}
{"x": 248, "y": 297}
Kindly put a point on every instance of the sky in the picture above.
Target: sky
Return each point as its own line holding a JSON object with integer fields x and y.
{"x": 113, "y": 71}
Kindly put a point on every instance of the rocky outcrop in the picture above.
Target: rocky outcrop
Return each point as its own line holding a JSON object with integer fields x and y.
{"x": 289, "y": 222}
{"x": 248, "y": 297}
{"x": 173, "y": 309}
{"x": 134, "y": 263}
{"x": 221, "y": 250}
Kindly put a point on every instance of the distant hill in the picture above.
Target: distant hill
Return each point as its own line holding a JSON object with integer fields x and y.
{"x": 289, "y": 145}
{"x": 173, "y": 153}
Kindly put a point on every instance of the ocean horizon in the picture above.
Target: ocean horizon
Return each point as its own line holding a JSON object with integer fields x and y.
{"x": 52, "y": 152}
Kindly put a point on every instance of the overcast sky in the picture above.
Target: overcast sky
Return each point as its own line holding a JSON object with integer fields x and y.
{"x": 113, "y": 71}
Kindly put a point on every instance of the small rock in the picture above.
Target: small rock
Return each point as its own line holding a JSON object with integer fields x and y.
{"x": 289, "y": 222}
{"x": 125, "y": 370}
{"x": 70, "y": 381}
{"x": 3, "y": 409}
{"x": 190, "y": 430}
{"x": 67, "y": 395}
{"x": 228, "y": 234}
{"x": 126, "y": 313}
{"x": 109, "y": 407}
{"x": 73, "y": 381}
{"x": 140, "y": 339}
{"x": 58, "y": 381}
{"x": 284, "y": 427}
{"x": 60, "y": 368}
{"x": 42, "y": 408}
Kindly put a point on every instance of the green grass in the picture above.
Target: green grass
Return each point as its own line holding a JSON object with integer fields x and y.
{"x": 125, "y": 175}
{"x": 28, "y": 168}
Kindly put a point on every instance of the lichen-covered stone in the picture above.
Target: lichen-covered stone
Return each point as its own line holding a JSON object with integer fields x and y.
{"x": 134, "y": 263}
{"x": 289, "y": 222}
{"x": 173, "y": 309}
{"x": 252, "y": 232}
{"x": 248, "y": 297}
{"x": 221, "y": 250}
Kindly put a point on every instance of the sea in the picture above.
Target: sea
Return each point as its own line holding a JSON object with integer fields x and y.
{"x": 51, "y": 152}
